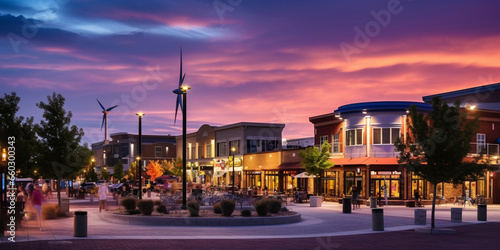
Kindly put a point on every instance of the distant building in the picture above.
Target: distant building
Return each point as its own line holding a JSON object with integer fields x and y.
{"x": 298, "y": 143}
{"x": 124, "y": 147}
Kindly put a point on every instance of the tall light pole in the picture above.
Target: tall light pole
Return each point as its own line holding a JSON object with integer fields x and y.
{"x": 140, "y": 153}
{"x": 92, "y": 173}
{"x": 183, "y": 90}
{"x": 234, "y": 184}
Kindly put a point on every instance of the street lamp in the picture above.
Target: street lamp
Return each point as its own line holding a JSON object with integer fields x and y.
{"x": 140, "y": 153}
{"x": 182, "y": 90}
{"x": 234, "y": 184}
{"x": 92, "y": 175}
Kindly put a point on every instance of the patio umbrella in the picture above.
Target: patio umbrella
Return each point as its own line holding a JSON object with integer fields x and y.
{"x": 304, "y": 175}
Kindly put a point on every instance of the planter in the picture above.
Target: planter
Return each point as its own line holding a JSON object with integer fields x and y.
{"x": 315, "y": 201}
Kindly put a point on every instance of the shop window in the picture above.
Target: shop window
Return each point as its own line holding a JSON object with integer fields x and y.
{"x": 481, "y": 143}
{"x": 221, "y": 148}
{"x": 235, "y": 145}
{"x": 385, "y": 135}
{"x": 322, "y": 140}
{"x": 252, "y": 146}
{"x": 157, "y": 151}
{"x": 209, "y": 151}
{"x": 335, "y": 144}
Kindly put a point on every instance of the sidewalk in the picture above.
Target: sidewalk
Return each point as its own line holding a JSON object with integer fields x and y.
{"x": 318, "y": 225}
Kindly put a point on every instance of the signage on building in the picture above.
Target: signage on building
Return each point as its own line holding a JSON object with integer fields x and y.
{"x": 385, "y": 172}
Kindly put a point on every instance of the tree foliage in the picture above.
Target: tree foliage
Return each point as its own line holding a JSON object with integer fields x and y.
{"x": 315, "y": 161}
{"x": 23, "y": 132}
{"x": 437, "y": 144}
{"x": 118, "y": 171}
{"x": 105, "y": 174}
{"x": 59, "y": 151}
{"x": 154, "y": 170}
{"x": 132, "y": 172}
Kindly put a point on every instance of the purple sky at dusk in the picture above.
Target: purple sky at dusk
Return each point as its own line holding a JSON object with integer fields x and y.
{"x": 246, "y": 60}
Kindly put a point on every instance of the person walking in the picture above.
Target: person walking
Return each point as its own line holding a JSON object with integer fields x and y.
{"x": 36, "y": 202}
{"x": 103, "y": 195}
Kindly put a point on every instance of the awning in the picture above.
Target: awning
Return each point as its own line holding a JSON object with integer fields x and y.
{"x": 365, "y": 161}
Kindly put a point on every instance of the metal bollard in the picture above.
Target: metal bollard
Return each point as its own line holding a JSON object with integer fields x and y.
{"x": 456, "y": 215}
{"x": 91, "y": 197}
{"x": 481, "y": 212}
{"x": 80, "y": 224}
{"x": 378, "y": 219}
{"x": 346, "y": 205}
{"x": 420, "y": 216}
{"x": 373, "y": 202}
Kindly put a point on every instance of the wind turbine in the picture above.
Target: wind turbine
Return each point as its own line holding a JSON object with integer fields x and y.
{"x": 105, "y": 119}
{"x": 181, "y": 93}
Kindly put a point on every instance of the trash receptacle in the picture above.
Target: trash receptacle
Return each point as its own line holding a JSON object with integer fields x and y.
{"x": 481, "y": 212}
{"x": 80, "y": 226}
{"x": 378, "y": 219}
{"x": 346, "y": 205}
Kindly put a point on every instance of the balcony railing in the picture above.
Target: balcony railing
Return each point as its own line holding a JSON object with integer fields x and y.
{"x": 488, "y": 149}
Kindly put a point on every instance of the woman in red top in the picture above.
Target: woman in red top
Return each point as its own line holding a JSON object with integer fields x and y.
{"x": 36, "y": 202}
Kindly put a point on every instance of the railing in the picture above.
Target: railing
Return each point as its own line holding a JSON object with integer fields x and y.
{"x": 487, "y": 149}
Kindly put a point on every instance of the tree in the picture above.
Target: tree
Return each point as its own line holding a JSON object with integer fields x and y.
{"x": 316, "y": 161}
{"x": 118, "y": 171}
{"x": 22, "y": 131}
{"x": 437, "y": 144}
{"x": 59, "y": 152}
{"x": 154, "y": 170}
{"x": 167, "y": 167}
{"x": 132, "y": 171}
{"x": 177, "y": 167}
{"x": 105, "y": 174}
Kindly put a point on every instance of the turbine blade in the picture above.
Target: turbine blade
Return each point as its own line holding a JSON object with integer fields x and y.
{"x": 181, "y": 79}
{"x": 176, "y": 108}
{"x": 109, "y": 109}
{"x": 103, "y": 118}
{"x": 180, "y": 102}
{"x": 103, "y": 109}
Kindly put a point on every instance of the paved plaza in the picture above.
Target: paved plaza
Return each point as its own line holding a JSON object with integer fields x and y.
{"x": 323, "y": 227}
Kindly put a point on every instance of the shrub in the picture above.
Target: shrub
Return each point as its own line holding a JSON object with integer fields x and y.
{"x": 194, "y": 208}
{"x": 227, "y": 207}
{"x": 246, "y": 213}
{"x": 162, "y": 209}
{"x": 133, "y": 211}
{"x": 217, "y": 209}
{"x": 146, "y": 206}
{"x": 157, "y": 202}
{"x": 274, "y": 206}
{"x": 129, "y": 203}
{"x": 49, "y": 211}
{"x": 262, "y": 207}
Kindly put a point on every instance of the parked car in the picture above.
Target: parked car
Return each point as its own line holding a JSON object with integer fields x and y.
{"x": 89, "y": 187}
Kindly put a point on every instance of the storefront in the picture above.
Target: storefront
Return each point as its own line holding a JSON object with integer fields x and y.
{"x": 353, "y": 178}
{"x": 386, "y": 181}
{"x": 330, "y": 183}
{"x": 253, "y": 179}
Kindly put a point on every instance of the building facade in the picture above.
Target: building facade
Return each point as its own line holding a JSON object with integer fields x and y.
{"x": 124, "y": 147}
{"x": 362, "y": 136}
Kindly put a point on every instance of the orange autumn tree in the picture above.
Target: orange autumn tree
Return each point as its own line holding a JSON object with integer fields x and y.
{"x": 154, "y": 169}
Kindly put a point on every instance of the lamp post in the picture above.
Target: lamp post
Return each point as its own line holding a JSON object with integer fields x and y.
{"x": 92, "y": 173}
{"x": 234, "y": 184}
{"x": 140, "y": 154}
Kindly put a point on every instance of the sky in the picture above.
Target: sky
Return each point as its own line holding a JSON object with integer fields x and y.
{"x": 245, "y": 60}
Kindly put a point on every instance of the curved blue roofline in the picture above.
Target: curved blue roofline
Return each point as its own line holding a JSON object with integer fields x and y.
{"x": 381, "y": 106}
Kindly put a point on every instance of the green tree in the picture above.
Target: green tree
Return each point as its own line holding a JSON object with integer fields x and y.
{"x": 132, "y": 172}
{"x": 436, "y": 145}
{"x": 118, "y": 171}
{"x": 177, "y": 169}
{"x": 59, "y": 151}
{"x": 105, "y": 174}
{"x": 315, "y": 161}
{"x": 22, "y": 133}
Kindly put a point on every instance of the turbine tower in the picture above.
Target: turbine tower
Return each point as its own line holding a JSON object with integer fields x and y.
{"x": 105, "y": 120}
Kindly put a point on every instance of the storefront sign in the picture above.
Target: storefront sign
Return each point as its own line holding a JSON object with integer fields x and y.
{"x": 385, "y": 172}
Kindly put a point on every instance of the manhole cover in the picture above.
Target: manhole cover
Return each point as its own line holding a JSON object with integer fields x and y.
{"x": 62, "y": 242}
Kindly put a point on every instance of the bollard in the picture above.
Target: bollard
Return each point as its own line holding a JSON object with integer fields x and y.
{"x": 91, "y": 197}
{"x": 80, "y": 224}
{"x": 346, "y": 205}
{"x": 420, "y": 216}
{"x": 456, "y": 215}
{"x": 378, "y": 219}
{"x": 481, "y": 212}
{"x": 373, "y": 202}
